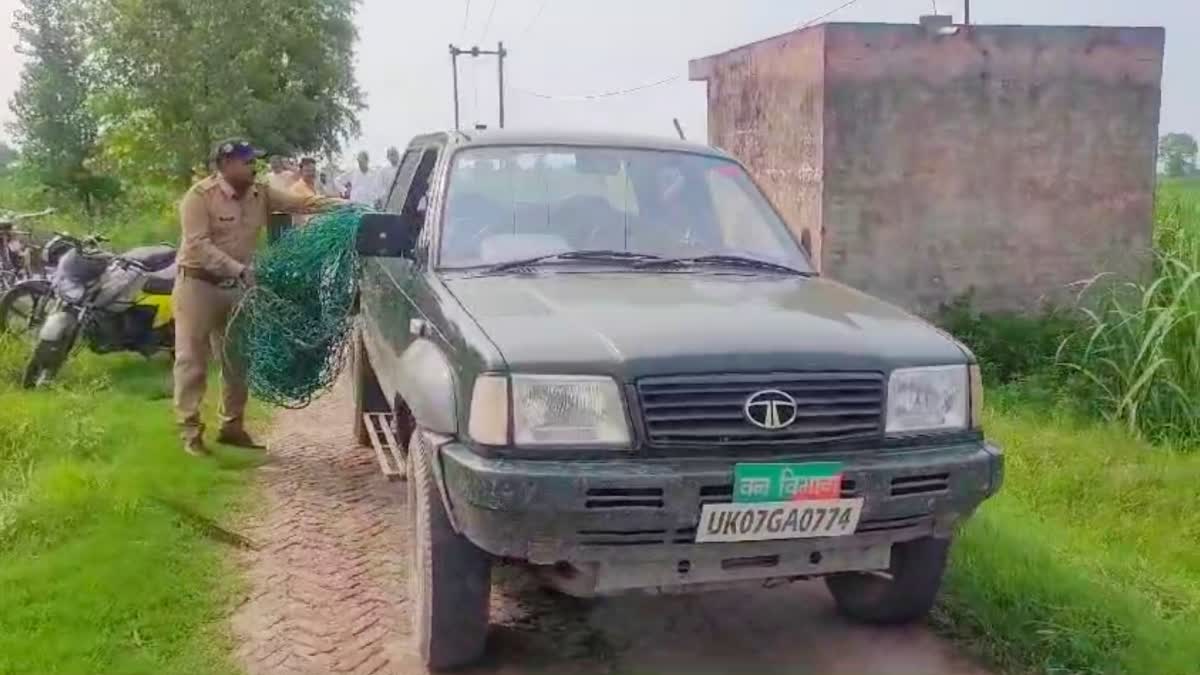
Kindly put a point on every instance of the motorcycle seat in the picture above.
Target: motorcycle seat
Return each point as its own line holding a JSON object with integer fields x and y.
{"x": 153, "y": 258}
{"x": 160, "y": 282}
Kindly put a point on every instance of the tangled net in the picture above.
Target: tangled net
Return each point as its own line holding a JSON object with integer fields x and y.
{"x": 291, "y": 329}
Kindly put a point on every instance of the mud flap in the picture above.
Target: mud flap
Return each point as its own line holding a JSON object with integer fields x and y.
{"x": 387, "y": 448}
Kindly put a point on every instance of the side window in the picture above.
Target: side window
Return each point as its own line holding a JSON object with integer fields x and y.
{"x": 417, "y": 200}
{"x": 404, "y": 174}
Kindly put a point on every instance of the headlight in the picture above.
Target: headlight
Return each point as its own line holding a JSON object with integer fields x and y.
{"x": 553, "y": 410}
{"x": 549, "y": 410}
{"x": 927, "y": 399}
{"x": 69, "y": 289}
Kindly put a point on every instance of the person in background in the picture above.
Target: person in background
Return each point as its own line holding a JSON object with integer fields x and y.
{"x": 387, "y": 175}
{"x": 221, "y": 216}
{"x": 306, "y": 186}
{"x": 281, "y": 177}
{"x": 326, "y": 184}
{"x": 363, "y": 182}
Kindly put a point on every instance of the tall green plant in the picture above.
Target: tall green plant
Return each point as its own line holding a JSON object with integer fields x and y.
{"x": 1139, "y": 351}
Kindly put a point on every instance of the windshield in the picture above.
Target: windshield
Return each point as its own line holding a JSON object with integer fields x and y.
{"x": 508, "y": 204}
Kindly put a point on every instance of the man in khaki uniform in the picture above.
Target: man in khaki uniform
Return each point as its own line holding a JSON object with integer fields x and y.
{"x": 221, "y": 217}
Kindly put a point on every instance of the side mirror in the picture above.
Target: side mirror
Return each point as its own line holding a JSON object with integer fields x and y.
{"x": 385, "y": 235}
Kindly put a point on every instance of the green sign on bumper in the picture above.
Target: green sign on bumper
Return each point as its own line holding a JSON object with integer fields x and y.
{"x": 786, "y": 482}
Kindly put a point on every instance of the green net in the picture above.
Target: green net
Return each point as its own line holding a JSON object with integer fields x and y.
{"x": 291, "y": 329}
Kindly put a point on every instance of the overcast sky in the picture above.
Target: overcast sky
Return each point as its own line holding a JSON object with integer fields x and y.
{"x": 571, "y": 49}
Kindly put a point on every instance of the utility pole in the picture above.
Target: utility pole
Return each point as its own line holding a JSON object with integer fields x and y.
{"x": 475, "y": 52}
{"x": 966, "y": 12}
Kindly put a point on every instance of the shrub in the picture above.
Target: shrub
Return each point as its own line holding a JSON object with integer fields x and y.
{"x": 1010, "y": 347}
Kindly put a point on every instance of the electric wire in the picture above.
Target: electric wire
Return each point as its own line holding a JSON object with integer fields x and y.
{"x": 466, "y": 19}
{"x": 826, "y": 15}
{"x": 598, "y": 95}
{"x": 648, "y": 85}
{"x": 487, "y": 24}
{"x": 536, "y": 15}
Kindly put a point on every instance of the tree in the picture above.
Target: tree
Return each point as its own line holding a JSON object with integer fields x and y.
{"x": 1177, "y": 152}
{"x": 54, "y": 127}
{"x": 8, "y": 155}
{"x": 180, "y": 74}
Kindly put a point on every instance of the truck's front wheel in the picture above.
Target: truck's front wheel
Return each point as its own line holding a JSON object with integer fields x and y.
{"x": 906, "y": 593}
{"x": 450, "y": 577}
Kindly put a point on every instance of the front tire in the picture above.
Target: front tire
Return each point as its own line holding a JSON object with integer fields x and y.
{"x": 916, "y": 576}
{"x": 450, "y": 576}
{"x": 23, "y": 307}
{"x": 48, "y": 357}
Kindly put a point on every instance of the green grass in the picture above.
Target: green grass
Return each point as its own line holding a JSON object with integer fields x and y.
{"x": 1087, "y": 561}
{"x": 107, "y": 564}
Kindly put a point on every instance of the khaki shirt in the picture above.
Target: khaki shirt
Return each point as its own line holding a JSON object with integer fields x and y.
{"x": 220, "y": 230}
{"x": 302, "y": 189}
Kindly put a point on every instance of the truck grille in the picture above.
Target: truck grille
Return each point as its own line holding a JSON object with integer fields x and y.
{"x": 710, "y": 410}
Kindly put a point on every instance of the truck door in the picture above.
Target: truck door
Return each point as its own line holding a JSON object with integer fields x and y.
{"x": 388, "y": 283}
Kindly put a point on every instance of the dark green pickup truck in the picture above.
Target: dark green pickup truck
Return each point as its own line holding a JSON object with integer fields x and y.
{"x": 616, "y": 365}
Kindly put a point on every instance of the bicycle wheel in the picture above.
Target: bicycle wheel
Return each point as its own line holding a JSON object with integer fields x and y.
{"x": 23, "y": 308}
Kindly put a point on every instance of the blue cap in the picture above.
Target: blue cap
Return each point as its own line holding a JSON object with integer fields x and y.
{"x": 237, "y": 148}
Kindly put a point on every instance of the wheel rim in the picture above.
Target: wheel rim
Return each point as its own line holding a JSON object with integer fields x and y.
{"x": 24, "y": 312}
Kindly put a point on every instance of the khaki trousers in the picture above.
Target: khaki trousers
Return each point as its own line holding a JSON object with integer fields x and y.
{"x": 201, "y": 312}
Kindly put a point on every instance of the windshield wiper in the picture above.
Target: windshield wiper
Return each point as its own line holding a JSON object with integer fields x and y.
{"x": 729, "y": 260}
{"x": 597, "y": 255}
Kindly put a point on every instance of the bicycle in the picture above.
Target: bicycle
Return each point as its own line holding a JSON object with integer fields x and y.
{"x": 16, "y": 263}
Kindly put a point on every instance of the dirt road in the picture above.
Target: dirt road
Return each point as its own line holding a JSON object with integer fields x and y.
{"x": 327, "y": 594}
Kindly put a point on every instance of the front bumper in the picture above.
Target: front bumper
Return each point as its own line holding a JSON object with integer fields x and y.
{"x": 632, "y": 523}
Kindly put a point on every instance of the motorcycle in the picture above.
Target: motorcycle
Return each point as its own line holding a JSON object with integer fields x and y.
{"x": 24, "y": 304}
{"x": 114, "y": 302}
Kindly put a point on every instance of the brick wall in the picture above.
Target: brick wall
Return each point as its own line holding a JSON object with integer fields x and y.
{"x": 1008, "y": 160}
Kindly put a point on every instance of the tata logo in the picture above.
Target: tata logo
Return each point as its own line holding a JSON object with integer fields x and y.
{"x": 770, "y": 409}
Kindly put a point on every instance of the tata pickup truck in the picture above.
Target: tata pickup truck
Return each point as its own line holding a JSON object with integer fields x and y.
{"x": 614, "y": 362}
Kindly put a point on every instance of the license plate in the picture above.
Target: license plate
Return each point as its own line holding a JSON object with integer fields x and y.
{"x": 764, "y": 521}
{"x": 767, "y": 482}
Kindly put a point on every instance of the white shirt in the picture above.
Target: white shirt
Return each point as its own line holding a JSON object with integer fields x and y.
{"x": 387, "y": 176}
{"x": 328, "y": 185}
{"x": 364, "y": 186}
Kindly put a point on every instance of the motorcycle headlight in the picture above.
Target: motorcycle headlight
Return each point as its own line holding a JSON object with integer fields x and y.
{"x": 549, "y": 410}
{"x": 928, "y": 399}
{"x": 68, "y": 289}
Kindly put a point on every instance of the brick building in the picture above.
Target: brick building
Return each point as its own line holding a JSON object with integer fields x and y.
{"x": 928, "y": 160}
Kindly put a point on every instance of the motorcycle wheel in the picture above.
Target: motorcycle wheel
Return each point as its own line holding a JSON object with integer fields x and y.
{"x": 48, "y": 357}
{"x": 23, "y": 308}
